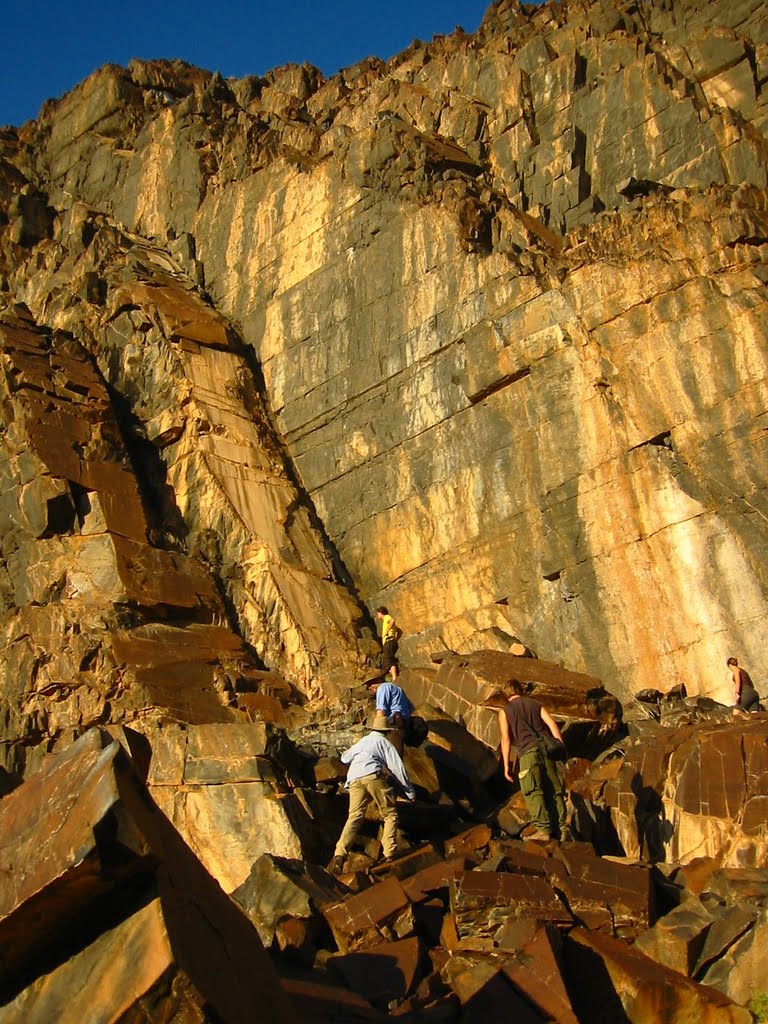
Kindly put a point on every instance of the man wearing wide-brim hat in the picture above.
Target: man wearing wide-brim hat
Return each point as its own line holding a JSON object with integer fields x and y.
{"x": 371, "y": 760}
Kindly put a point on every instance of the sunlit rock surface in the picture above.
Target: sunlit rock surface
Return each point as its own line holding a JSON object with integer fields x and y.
{"x": 479, "y": 333}
{"x": 504, "y": 297}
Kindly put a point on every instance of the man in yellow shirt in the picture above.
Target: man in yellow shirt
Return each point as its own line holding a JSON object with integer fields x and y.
{"x": 390, "y": 634}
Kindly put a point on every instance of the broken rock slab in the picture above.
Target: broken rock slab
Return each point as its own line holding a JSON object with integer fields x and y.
{"x": 231, "y": 789}
{"x": 695, "y": 791}
{"x": 381, "y": 913}
{"x": 483, "y": 901}
{"x": 382, "y": 973}
{"x": 138, "y": 967}
{"x": 454, "y": 748}
{"x": 486, "y": 992}
{"x": 278, "y": 888}
{"x": 470, "y": 688}
{"x": 433, "y": 879}
{"x": 66, "y": 841}
{"x": 536, "y": 972}
{"x": 729, "y": 924}
{"x": 83, "y": 844}
{"x": 678, "y": 938}
{"x": 605, "y": 893}
{"x": 742, "y": 972}
{"x": 613, "y": 981}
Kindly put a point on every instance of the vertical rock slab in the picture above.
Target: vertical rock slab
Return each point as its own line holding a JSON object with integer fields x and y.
{"x": 695, "y": 791}
{"x": 232, "y": 482}
{"x": 529, "y": 401}
{"x": 231, "y": 791}
{"x": 84, "y": 582}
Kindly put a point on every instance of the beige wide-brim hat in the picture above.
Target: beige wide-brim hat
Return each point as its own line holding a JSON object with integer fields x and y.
{"x": 372, "y": 678}
{"x": 380, "y": 723}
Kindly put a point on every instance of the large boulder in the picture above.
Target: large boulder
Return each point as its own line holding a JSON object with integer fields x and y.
{"x": 91, "y": 866}
{"x": 695, "y": 791}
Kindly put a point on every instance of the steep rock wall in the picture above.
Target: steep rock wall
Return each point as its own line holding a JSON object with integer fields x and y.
{"x": 507, "y": 297}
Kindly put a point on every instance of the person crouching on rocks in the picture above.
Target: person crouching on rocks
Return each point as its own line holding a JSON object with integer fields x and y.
{"x": 523, "y": 723}
{"x": 370, "y": 761}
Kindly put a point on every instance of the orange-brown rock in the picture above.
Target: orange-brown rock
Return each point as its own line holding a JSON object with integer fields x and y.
{"x": 383, "y": 973}
{"x": 382, "y": 912}
{"x": 90, "y": 867}
{"x": 480, "y": 333}
{"x": 614, "y": 977}
{"x": 472, "y": 687}
{"x": 695, "y": 791}
{"x": 524, "y": 414}
{"x": 481, "y": 901}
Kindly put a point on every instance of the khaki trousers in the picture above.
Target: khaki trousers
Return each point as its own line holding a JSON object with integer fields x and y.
{"x": 361, "y": 792}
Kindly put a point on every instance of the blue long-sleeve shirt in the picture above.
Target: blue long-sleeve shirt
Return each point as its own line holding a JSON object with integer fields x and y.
{"x": 390, "y": 698}
{"x": 371, "y": 755}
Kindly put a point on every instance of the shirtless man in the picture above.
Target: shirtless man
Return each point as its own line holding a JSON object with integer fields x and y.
{"x": 745, "y": 697}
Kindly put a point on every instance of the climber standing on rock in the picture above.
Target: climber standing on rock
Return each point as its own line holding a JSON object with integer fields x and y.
{"x": 745, "y": 696}
{"x": 390, "y": 636}
{"x": 525, "y": 724}
{"x": 371, "y": 761}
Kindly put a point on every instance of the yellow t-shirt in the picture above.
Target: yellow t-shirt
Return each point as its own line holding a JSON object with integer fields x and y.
{"x": 388, "y": 629}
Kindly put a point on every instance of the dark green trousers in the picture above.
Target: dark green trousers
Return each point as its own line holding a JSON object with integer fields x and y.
{"x": 541, "y": 781}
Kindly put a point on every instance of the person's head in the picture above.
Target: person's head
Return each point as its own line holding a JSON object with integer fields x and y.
{"x": 516, "y": 687}
{"x": 732, "y": 661}
{"x": 381, "y": 611}
{"x": 373, "y": 683}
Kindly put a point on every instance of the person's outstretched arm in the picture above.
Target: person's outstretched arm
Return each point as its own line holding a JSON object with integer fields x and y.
{"x": 397, "y": 768}
{"x": 551, "y": 724}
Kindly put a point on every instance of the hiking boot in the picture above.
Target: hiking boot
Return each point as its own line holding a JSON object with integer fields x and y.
{"x": 566, "y": 836}
{"x": 337, "y": 865}
{"x": 539, "y": 835}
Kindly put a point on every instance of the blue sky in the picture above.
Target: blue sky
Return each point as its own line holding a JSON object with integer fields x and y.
{"x": 50, "y": 46}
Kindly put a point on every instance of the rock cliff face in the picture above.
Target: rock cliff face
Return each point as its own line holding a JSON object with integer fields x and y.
{"x": 479, "y": 333}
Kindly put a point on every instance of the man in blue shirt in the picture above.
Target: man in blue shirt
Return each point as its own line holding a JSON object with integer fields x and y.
{"x": 369, "y": 760}
{"x": 392, "y": 702}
